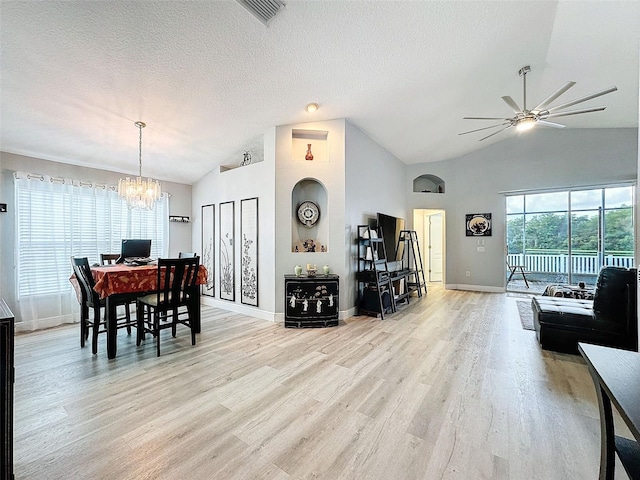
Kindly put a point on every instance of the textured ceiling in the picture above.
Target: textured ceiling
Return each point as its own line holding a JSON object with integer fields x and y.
{"x": 208, "y": 78}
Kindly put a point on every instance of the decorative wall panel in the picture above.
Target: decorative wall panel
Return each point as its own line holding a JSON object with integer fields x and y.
{"x": 208, "y": 257}
{"x": 227, "y": 247}
{"x": 249, "y": 254}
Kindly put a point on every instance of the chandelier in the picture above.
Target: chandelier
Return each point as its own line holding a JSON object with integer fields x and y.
{"x": 139, "y": 192}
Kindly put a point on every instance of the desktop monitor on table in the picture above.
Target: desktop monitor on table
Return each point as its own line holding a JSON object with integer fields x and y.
{"x": 134, "y": 248}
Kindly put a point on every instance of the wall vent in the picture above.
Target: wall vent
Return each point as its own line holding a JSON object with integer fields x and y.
{"x": 263, "y": 10}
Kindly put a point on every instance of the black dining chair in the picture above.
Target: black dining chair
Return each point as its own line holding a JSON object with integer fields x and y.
{"x": 109, "y": 258}
{"x": 90, "y": 300}
{"x": 177, "y": 282}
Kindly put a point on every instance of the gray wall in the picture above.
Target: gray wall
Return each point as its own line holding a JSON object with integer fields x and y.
{"x": 375, "y": 182}
{"x": 539, "y": 159}
{"x": 179, "y": 204}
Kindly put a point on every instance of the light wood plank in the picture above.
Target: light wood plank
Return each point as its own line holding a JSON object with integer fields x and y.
{"x": 450, "y": 387}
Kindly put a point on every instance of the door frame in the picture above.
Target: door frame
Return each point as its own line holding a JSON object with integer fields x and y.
{"x": 419, "y": 215}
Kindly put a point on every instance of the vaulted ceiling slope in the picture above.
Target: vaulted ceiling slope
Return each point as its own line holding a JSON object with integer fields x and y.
{"x": 208, "y": 78}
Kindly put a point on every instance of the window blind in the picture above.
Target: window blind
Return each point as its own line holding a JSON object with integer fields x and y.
{"x": 60, "y": 218}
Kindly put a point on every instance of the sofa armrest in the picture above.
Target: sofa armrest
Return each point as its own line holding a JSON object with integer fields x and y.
{"x": 632, "y": 313}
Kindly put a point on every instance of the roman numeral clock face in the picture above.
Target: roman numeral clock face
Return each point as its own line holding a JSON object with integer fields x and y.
{"x": 308, "y": 213}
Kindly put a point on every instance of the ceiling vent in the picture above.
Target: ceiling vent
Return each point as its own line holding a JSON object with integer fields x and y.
{"x": 263, "y": 10}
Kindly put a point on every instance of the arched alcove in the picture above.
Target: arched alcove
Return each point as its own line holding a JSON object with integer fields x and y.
{"x": 309, "y": 224}
{"x": 428, "y": 184}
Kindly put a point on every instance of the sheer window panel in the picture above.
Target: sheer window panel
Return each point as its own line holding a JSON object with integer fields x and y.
{"x": 56, "y": 219}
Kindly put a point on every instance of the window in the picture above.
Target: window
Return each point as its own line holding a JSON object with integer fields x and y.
{"x": 59, "y": 218}
{"x": 567, "y": 237}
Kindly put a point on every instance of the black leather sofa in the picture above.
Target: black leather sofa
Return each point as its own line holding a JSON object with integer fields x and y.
{"x": 609, "y": 319}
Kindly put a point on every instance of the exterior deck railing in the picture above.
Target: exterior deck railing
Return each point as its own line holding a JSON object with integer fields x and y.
{"x": 559, "y": 263}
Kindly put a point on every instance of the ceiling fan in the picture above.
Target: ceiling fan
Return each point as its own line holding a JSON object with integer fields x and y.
{"x": 525, "y": 119}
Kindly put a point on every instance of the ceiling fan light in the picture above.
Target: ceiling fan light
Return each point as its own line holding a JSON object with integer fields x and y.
{"x": 525, "y": 124}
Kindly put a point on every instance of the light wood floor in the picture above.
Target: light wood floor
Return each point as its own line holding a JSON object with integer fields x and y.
{"x": 450, "y": 387}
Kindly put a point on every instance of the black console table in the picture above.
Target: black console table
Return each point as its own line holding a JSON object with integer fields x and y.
{"x": 616, "y": 375}
{"x": 7, "y": 376}
{"x": 311, "y": 301}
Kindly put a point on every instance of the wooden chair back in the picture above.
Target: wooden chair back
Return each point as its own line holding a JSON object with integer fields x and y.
{"x": 85, "y": 279}
{"x": 109, "y": 258}
{"x": 177, "y": 277}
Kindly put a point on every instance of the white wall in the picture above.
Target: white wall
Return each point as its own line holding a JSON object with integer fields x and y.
{"x": 179, "y": 204}
{"x": 375, "y": 182}
{"x": 326, "y": 168}
{"x": 539, "y": 159}
{"x": 254, "y": 180}
{"x": 360, "y": 178}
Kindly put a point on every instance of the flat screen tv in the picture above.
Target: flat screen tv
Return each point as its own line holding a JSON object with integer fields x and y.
{"x": 134, "y": 248}
{"x": 390, "y": 227}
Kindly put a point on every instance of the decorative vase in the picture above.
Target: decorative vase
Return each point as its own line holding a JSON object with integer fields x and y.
{"x": 298, "y": 270}
{"x": 311, "y": 270}
{"x": 326, "y": 269}
{"x": 309, "y": 155}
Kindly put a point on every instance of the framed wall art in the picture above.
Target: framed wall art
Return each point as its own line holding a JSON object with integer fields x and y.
{"x": 249, "y": 254}
{"x": 227, "y": 258}
{"x": 208, "y": 259}
{"x": 478, "y": 224}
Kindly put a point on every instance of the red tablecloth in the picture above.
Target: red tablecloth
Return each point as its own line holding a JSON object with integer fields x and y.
{"x": 120, "y": 278}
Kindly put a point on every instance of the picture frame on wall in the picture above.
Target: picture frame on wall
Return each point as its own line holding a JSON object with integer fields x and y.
{"x": 249, "y": 251}
{"x": 227, "y": 280}
{"x": 478, "y": 224}
{"x": 208, "y": 248}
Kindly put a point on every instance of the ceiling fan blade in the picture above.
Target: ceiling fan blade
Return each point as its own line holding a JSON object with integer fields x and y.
{"x": 550, "y": 124}
{"x": 553, "y": 96}
{"x": 484, "y": 128}
{"x": 583, "y": 99}
{"x": 574, "y": 112}
{"x": 494, "y": 133}
{"x": 512, "y": 104}
{"x": 484, "y": 118}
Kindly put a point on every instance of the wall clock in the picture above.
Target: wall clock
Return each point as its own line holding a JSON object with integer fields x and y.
{"x": 308, "y": 213}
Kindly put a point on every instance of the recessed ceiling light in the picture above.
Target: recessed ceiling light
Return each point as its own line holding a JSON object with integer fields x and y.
{"x": 312, "y": 107}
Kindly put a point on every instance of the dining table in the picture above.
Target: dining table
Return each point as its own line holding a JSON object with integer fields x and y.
{"x": 121, "y": 283}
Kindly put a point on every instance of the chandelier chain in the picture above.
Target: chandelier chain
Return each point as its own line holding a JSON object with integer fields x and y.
{"x": 140, "y": 126}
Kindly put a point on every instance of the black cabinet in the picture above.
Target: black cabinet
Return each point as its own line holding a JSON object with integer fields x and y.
{"x": 7, "y": 327}
{"x": 311, "y": 301}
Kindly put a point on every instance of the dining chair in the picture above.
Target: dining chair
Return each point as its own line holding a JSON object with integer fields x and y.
{"x": 186, "y": 255}
{"x": 112, "y": 259}
{"x": 109, "y": 258}
{"x": 177, "y": 282}
{"x": 90, "y": 300}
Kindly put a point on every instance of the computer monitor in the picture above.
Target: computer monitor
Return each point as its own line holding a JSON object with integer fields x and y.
{"x": 134, "y": 248}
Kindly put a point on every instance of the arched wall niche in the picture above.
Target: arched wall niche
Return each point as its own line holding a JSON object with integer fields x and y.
{"x": 306, "y": 238}
{"x": 428, "y": 184}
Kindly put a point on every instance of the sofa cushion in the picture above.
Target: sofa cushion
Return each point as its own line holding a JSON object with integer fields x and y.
{"x": 571, "y": 314}
{"x": 563, "y": 311}
{"x": 611, "y": 298}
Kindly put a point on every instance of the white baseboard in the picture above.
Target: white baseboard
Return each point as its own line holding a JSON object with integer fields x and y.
{"x": 344, "y": 314}
{"x": 239, "y": 308}
{"x": 474, "y": 288}
{"x": 257, "y": 313}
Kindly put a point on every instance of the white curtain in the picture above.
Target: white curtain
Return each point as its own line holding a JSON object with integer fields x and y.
{"x": 60, "y": 218}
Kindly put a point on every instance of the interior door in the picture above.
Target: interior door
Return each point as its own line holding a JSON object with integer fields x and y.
{"x": 435, "y": 247}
